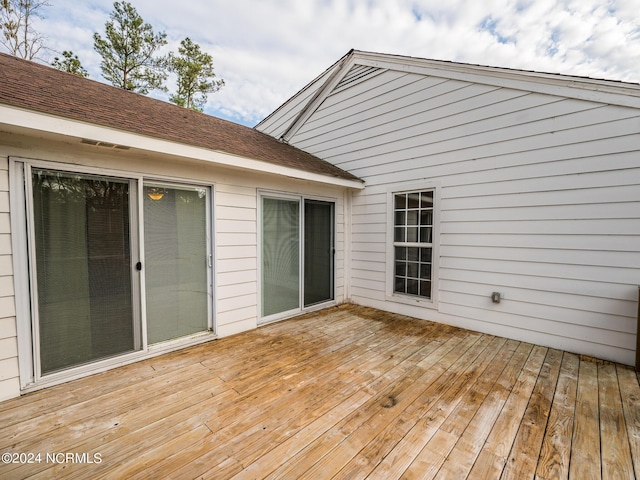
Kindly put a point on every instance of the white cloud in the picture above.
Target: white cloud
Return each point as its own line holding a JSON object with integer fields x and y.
{"x": 267, "y": 50}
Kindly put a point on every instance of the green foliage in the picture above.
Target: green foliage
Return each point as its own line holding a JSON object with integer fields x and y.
{"x": 71, "y": 64}
{"x": 196, "y": 77}
{"x": 129, "y": 51}
{"x": 16, "y": 30}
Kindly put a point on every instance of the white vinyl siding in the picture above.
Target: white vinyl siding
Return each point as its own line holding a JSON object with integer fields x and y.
{"x": 234, "y": 230}
{"x": 539, "y": 202}
{"x": 9, "y": 373}
{"x": 236, "y": 241}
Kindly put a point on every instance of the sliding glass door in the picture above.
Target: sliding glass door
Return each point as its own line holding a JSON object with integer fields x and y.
{"x": 82, "y": 246}
{"x": 176, "y": 261}
{"x": 297, "y": 252}
{"x": 115, "y": 265}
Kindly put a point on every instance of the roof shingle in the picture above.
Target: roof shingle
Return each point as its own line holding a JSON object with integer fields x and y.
{"x": 43, "y": 89}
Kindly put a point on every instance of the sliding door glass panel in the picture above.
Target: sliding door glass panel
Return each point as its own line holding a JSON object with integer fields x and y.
{"x": 83, "y": 268}
{"x": 318, "y": 252}
{"x": 280, "y": 255}
{"x": 176, "y": 261}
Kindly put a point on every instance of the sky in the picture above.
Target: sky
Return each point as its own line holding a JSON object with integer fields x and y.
{"x": 267, "y": 50}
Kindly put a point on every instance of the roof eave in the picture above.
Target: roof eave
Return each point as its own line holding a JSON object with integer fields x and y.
{"x": 585, "y": 88}
{"x": 69, "y": 128}
{"x": 581, "y": 88}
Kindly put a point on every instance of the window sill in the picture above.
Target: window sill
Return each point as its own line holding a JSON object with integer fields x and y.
{"x": 410, "y": 300}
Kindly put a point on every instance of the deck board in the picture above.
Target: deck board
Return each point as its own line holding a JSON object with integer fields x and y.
{"x": 524, "y": 455}
{"x": 630, "y": 393}
{"x": 555, "y": 454}
{"x": 616, "y": 455}
{"x": 585, "y": 442}
{"x": 345, "y": 392}
{"x": 492, "y": 458}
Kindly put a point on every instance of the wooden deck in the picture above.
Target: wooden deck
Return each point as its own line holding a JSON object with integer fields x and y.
{"x": 347, "y": 392}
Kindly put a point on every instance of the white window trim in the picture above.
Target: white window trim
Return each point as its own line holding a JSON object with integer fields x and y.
{"x": 390, "y": 295}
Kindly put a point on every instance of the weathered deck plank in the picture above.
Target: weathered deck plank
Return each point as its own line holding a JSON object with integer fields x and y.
{"x": 585, "y": 463}
{"x": 492, "y": 458}
{"x": 556, "y": 446}
{"x": 630, "y": 392}
{"x": 616, "y": 455}
{"x": 528, "y": 442}
{"x": 347, "y": 392}
{"x": 433, "y": 366}
{"x": 461, "y": 460}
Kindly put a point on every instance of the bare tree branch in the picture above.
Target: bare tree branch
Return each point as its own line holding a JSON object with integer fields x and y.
{"x": 16, "y": 27}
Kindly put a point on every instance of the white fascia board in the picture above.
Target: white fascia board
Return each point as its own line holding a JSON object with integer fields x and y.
{"x": 321, "y": 94}
{"x": 50, "y": 124}
{"x": 582, "y": 88}
{"x": 316, "y": 81}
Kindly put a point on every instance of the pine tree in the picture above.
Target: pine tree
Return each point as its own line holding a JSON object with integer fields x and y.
{"x": 129, "y": 51}
{"x": 196, "y": 77}
{"x": 71, "y": 64}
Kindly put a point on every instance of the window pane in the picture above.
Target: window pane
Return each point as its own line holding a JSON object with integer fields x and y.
{"x": 412, "y": 287}
{"x": 400, "y": 218}
{"x": 412, "y": 217}
{"x": 399, "y": 234}
{"x": 425, "y": 255}
{"x": 401, "y": 202}
{"x": 426, "y": 217}
{"x": 318, "y": 252}
{"x": 83, "y": 263}
{"x": 413, "y": 200}
{"x": 401, "y": 285}
{"x": 425, "y": 271}
{"x": 280, "y": 255}
{"x": 401, "y": 253}
{"x": 412, "y": 234}
{"x": 175, "y": 246}
{"x": 401, "y": 269}
{"x": 425, "y": 235}
{"x": 426, "y": 199}
{"x": 413, "y": 254}
{"x": 425, "y": 289}
{"x": 412, "y": 269}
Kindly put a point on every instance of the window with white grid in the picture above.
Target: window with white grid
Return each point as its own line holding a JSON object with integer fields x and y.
{"x": 413, "y": 242}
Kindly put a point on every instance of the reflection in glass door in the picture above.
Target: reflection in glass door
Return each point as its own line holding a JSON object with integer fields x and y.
{"x": 280, "y": 255}
{"x": 296, "y": 273}
{"x": 176, "y": 261}
{"x": 318, "y": 252}
{"x": 81, "y": 230}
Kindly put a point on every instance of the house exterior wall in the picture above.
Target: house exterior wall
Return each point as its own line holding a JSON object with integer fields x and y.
{"x": 235, "y": 224}
{"x": 539, "y": 201}
{"x": 9, "y": 381}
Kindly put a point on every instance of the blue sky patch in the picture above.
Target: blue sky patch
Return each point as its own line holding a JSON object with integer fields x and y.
{"x": 489, "y": 24}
